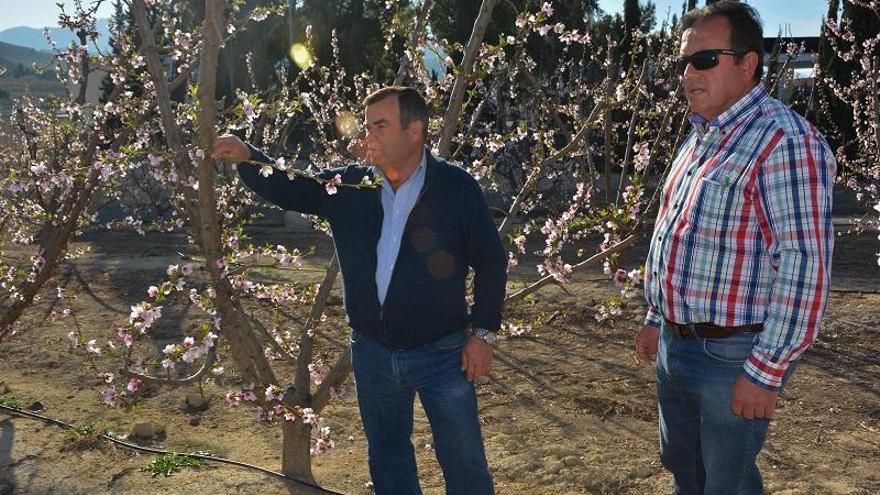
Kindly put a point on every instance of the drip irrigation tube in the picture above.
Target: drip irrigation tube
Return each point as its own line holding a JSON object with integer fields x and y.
{"x": 150, "y": 450}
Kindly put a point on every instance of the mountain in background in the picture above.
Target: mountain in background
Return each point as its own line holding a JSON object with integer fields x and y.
{"x": 33, "y": 37}
{"x": 12, "y": 55}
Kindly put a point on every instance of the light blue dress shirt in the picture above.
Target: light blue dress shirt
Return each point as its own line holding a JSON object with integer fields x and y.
{"x": 396, "y": 207}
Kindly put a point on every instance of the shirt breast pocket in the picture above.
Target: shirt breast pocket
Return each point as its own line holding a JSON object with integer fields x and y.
{"x": 718, "y": 204}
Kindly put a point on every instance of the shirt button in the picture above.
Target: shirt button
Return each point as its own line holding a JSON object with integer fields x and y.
{"x": 655, "y": 273}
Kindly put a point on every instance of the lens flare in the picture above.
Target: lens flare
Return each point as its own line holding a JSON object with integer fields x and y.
{"x": 347, "y": 124}
{"x": 301, "y": 56}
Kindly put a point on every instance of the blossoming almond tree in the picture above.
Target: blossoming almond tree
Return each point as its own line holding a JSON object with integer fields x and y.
{"x": 858, "y": 157}
{"x": 57, "y": 155}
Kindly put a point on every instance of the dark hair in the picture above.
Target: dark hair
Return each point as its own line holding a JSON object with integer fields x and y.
{"x": 746, "y": 33}
{"x": 411, "y": 103}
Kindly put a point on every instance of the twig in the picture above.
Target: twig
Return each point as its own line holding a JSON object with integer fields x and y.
{"x": 210, "y": 357}
{"x": 580, "y": 266}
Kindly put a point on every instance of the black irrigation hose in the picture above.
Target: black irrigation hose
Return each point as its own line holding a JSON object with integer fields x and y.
{"x": 149, "y": 450}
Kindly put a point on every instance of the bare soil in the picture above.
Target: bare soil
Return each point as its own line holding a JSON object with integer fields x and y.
{"x": 566, "y": 409}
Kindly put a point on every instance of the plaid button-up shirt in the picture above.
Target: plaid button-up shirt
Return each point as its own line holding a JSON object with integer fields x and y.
{"x": 744, "y": 232}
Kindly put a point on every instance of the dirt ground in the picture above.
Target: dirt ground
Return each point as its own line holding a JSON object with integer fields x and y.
{"x": 565, "y": 410}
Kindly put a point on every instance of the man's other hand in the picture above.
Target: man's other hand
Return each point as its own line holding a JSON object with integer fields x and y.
{"x": 646, "y": 344}
{"x": 231, "y": 149}
{"x": 752, "y": 401}
{"x": 476, "y": 358}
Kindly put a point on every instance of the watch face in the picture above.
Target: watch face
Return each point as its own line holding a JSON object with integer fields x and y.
{"x": 486, "y": 335}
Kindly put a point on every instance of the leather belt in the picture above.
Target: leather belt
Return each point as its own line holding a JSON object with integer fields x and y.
{"x": 708, "y": 330}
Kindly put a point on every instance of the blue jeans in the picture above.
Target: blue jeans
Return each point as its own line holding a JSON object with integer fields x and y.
{"x": 708, "y": 449}
{"x": 387, "y": 381}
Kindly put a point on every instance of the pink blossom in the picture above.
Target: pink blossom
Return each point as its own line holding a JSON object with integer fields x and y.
{"x": 322, "y": 446}
{"x": 134, "y": 385}
{"x": 109, "y": 395}
{"x": 126, "y": 337}
{"x": 316, "y": 371}
{"x": 331, "y": 185}
{"x": 153, "y": 291}
{"x": 635, "y": 276}
{"x": 248, "y": 108}
{"x": 309, "y": 417}
{"x": 92, "y": 347}
{"x": 191, "y": 355}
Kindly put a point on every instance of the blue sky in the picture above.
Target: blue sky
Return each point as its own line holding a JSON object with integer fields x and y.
{"x": 41, "y": 13}
{"x": 801, "y": 16}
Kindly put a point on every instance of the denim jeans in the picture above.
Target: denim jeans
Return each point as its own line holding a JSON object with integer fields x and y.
{"x": 708, "y": 449}
{"x": 387, "y": 381}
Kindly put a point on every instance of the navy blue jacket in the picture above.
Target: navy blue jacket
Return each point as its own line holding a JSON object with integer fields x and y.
{"x": 448, "y": 230}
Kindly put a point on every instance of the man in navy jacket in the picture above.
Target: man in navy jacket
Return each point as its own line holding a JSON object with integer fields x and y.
{"x": 405, "y": 249}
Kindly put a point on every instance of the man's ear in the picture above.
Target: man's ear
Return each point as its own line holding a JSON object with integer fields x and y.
{"x": 749, "y": 62}
{"x": 415, "y": 129}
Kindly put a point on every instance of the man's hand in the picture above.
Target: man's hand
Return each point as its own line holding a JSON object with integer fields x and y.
{"x": 476, "y": 358}
{"x": 752, "y": 401}
{"x": 231, "y": 149}
{"x": 646, "y": 344}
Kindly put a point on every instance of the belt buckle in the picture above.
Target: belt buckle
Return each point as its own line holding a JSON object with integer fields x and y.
{"x": 680, "y": 330}
{"x": 690, "y": 331}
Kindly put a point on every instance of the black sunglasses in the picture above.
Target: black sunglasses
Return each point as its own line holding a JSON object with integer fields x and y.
{"x": 703, "y": 59}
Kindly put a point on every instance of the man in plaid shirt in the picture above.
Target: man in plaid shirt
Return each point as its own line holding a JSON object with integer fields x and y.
{"x": 740, "y": 259}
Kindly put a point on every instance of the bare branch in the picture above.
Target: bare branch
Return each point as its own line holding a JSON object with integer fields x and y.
{"x": 450, "y": 120}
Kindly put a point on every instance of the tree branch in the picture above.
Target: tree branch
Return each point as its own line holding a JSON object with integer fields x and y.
{"x": 450, "y": 120}
{"x": 210, "y": 357}
{"x": 580, "y": 266}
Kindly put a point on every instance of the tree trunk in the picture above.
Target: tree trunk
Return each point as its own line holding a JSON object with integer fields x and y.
{"x": 296, "y": 440}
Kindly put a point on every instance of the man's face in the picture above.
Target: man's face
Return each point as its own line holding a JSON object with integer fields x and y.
{"x": 712, "y": 91}
{"x": 389, "y": 145}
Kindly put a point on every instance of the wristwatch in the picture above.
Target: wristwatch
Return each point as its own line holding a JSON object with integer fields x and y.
{"x": 487, "y": 336}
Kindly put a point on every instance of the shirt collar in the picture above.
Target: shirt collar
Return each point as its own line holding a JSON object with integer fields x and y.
{"x": 739, "y": 110}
